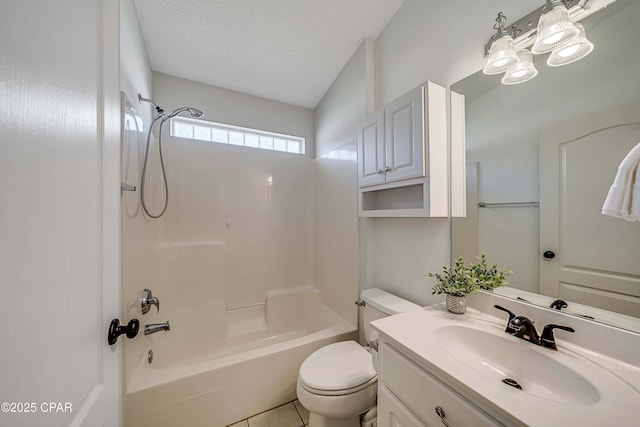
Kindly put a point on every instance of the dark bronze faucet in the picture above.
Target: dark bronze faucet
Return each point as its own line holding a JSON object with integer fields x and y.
{"x": 522, "y": 327}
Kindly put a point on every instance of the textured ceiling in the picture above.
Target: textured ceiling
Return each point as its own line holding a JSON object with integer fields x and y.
{"x": 285, "y": 50}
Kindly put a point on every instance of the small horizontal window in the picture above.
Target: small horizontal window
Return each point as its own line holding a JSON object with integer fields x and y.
{"x": 201, "y": 130}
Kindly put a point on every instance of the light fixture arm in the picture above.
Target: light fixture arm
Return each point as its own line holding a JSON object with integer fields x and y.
{"x": 501, "y": 21}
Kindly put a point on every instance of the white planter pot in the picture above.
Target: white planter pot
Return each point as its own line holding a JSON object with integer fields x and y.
{"x": 456, "y": 305}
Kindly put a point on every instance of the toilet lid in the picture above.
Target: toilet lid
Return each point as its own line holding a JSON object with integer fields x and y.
{"x": 338, "y": 366}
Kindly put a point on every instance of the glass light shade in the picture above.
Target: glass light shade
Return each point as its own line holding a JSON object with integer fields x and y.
{"x": 573, "y": 51}
{"x": 523, "y": 71}
{"x": 554, "y": 30}
{"x": 502, "y": 56}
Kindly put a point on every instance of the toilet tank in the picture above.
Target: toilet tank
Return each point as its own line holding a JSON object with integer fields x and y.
{"x": 379, "y": 304}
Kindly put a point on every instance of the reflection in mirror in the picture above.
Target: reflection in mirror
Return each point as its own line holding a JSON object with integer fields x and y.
{"x": 557, "y": 140}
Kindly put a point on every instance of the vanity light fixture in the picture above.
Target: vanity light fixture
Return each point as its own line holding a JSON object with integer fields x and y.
{"x": 554, "y": 28}
{"x": 523, "y": 71}
{"x": 556, "y": 32}
{"x": 573, "y": 51}
{"x": 502, "y": 54}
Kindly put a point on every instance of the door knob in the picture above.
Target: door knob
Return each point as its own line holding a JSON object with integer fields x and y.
{"x": 549, "y": 255}
{"x": 115, "y": 330}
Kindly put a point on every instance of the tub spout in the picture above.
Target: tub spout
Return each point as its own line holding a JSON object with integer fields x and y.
{"x": 156, "y": 327}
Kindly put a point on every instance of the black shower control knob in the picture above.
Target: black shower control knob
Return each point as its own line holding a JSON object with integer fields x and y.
{"x": 549, "y": 255}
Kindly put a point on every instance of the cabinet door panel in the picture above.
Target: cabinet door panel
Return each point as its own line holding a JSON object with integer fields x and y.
{"x": 392, "y": 413}
{"x": 371, "y": 151}
{"x": 404, "y": 137}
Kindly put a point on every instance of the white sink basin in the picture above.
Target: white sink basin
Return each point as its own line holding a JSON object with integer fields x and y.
{"x": 505, "y": 357}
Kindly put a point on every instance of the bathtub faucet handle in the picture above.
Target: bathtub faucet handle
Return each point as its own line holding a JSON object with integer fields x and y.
{"x": 147, "y": 300}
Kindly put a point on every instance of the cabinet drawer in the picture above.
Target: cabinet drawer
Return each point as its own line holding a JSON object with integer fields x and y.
{"x": 422, "y": 393}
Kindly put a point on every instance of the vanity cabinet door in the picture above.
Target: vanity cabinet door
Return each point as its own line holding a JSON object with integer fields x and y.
{"x": 392, "y": 413}
{"x": 423, "y": 394}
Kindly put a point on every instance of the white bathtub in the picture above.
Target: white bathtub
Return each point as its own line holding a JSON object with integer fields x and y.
{"x": 195, "y": 381}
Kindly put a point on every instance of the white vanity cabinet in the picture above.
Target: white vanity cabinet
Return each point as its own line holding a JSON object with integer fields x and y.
{"x": 409, "y": 396}
{"x": 403, "y": 156}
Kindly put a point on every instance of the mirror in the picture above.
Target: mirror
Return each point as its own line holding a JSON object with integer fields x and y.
{"x": 510, "y": 131}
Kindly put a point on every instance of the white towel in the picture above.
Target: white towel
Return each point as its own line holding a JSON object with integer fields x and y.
{"x": 623, "y": 199}
{"x": 635, "y": 195}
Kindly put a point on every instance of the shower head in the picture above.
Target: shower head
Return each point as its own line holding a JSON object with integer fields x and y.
{"x": 193, "y": 112}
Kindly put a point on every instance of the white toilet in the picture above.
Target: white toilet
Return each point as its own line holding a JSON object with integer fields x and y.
{"x": 338, "y": 383}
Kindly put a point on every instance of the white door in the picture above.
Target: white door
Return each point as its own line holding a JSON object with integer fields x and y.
{"x": 596, "y": 258}
{"x": 371, "y": 150}
{"x": 404, "y": 136}
{"x": 59, "y": 212}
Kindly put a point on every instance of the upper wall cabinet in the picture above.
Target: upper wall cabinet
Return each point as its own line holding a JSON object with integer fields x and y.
{"x": 403, "y": 156}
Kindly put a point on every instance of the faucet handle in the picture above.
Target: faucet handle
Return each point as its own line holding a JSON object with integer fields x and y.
{"x": 147, "y": 300}
{"x": 509, "y": 329}
{"x": 547, "y": 339}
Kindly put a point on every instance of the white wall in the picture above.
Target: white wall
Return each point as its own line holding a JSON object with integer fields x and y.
{"x": 235, "y": 108}
{"x": 336, "y": 255}
{"x": 441, "y": 41}
{"x": 337, "y": 260}
{"x": 346, "y": 102}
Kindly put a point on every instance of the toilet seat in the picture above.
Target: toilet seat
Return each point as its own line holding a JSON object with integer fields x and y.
{"x": 338, "y": 369}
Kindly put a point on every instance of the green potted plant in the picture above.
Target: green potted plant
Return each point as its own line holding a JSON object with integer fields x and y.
{"x": 456, "y": 282}
{"x": 488, "y": 277}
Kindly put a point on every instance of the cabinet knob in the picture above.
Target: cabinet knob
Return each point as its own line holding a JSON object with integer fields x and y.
{"x": 387, "y": 169}
{"x": 549, "y": 255}
{"x": 441, "y": 414}
{"x": 380, "y": 171}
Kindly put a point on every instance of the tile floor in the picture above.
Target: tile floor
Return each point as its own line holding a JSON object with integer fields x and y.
{"x": 291, "y": 414}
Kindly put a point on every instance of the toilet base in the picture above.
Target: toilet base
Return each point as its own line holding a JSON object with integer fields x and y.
{"x": 316, "y": 420}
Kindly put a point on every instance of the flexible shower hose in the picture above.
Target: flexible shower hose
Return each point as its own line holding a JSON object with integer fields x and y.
{"x": 144, "y": 170}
